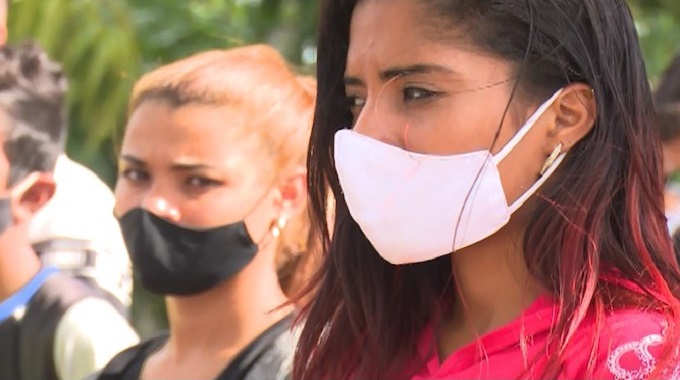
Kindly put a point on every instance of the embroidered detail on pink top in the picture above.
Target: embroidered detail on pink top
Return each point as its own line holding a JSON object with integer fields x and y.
{"x": 645, "y": 359}
{"x": 641, "y": 350}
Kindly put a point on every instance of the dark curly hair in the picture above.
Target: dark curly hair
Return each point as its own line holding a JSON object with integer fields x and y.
{"x": 33, "y": 118}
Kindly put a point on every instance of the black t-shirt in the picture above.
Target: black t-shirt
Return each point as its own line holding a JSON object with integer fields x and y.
{"x": 269, "y": 356}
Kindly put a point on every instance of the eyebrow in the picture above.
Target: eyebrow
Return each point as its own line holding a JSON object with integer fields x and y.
{"x": 402, "y": 71}
{"x": 132, "y": 160}
{"x": 188, "y": 164}
{"x": 179, "y": 165}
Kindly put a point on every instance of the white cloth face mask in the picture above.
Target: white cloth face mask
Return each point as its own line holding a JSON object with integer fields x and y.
{"x": 416, "y": 207}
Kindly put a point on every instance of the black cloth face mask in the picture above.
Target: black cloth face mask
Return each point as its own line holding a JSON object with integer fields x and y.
{"x": 173, "y": 260}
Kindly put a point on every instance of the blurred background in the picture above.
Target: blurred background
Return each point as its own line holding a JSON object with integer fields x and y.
{"x": 105, "y": 45}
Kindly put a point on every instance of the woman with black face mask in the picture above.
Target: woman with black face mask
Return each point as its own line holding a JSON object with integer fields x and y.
{"x": 211, "y": 197}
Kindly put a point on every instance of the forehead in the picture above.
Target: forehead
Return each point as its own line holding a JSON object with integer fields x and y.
{"x": 393, "y": 33}
{"x": 215, "y": 135}
{"x": 376, "y": 23}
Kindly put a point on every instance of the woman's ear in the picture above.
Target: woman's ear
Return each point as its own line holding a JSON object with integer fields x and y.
{"x": 31, "y": 194}
{"x": 293, "y": 192}
{"x": 575, "y": 115}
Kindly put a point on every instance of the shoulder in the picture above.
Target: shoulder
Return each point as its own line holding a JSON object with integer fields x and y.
{"x": 275, "y": 360}
{"x": 128, "y": 363}
{"x": 630, "y": 345}
{"x": 89, "y": 334}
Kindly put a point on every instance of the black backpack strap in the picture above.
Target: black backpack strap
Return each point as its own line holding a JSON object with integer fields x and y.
{"x": 9, "y": 355}
{"x": 39, "y": 324}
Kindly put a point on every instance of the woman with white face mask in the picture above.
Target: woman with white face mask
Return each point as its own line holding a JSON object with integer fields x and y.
{"x": 499, "y": 195}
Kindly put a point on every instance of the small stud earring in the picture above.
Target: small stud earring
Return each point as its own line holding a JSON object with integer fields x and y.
{"x": 278, "y": 227}
{"x": 551, "y": 159}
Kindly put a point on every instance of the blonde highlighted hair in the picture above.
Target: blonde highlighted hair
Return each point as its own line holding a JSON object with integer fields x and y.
{"x": 278, "y": 106}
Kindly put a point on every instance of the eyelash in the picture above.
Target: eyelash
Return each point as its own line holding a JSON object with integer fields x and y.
{"x": 202, "y": 182}
{"x": 425, "y": 94}
{"x": 130, "y": 174}
{"x": 409, "y": 95}
{"x": 354, "y": 103}
{"x": 194, "y": 182}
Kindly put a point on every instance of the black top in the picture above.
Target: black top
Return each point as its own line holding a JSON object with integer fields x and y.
{"x": 269, "y": 356}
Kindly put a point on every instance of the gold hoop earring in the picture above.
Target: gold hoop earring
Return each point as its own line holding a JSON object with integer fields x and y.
{"x": 551, "y": 159}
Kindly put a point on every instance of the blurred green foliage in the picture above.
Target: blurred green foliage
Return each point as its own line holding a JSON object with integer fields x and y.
{"x": 105, "y": 45}
{"x": 658, "y": 24}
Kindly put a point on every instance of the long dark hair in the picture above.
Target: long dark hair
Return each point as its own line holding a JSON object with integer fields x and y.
{"x": 603, "y": 212}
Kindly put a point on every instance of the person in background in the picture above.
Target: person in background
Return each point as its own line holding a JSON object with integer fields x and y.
{"x": 498, "y": 196}
{"x": 211, "y": 198}
{"x": 667, "y": 101}
{"x": 52, "y": 326}
{"x": 76, "y": 230}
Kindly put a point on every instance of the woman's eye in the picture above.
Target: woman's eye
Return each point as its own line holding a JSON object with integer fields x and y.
{"x": 413, "y": 94}
{"x": 202, "y": 182}
{"x": 355, "y": 103}
{"x": 135, "y": 175}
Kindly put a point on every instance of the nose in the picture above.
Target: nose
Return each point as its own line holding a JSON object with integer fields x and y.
{"x": 378, "y": 121}
{"x": 161, "y": 207}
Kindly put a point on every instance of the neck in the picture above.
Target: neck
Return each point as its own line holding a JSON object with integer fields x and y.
{"x": 223, "y": 320}
{"x": 493, "y": 283}
{"x": 18, "y": 262}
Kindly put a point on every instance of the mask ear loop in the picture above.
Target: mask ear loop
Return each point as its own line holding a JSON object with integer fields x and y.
{"x": 406, "y": 130}
{"x": 24, "y": 184}
{"x": 380, "y": 92}
{"x": 556, "y": 157}
{"x": 528, "y": 126}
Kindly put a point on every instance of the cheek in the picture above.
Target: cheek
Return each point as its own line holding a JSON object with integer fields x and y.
{"x": 442, "y": 131}
{"x": 4, "y": 169}
{"x": 126, "y": 199}
{"x": 260, "y": 221}
{"x": 454, "y": 125}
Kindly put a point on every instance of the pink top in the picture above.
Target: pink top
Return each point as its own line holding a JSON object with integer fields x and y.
{"x": 629, "y": 343}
